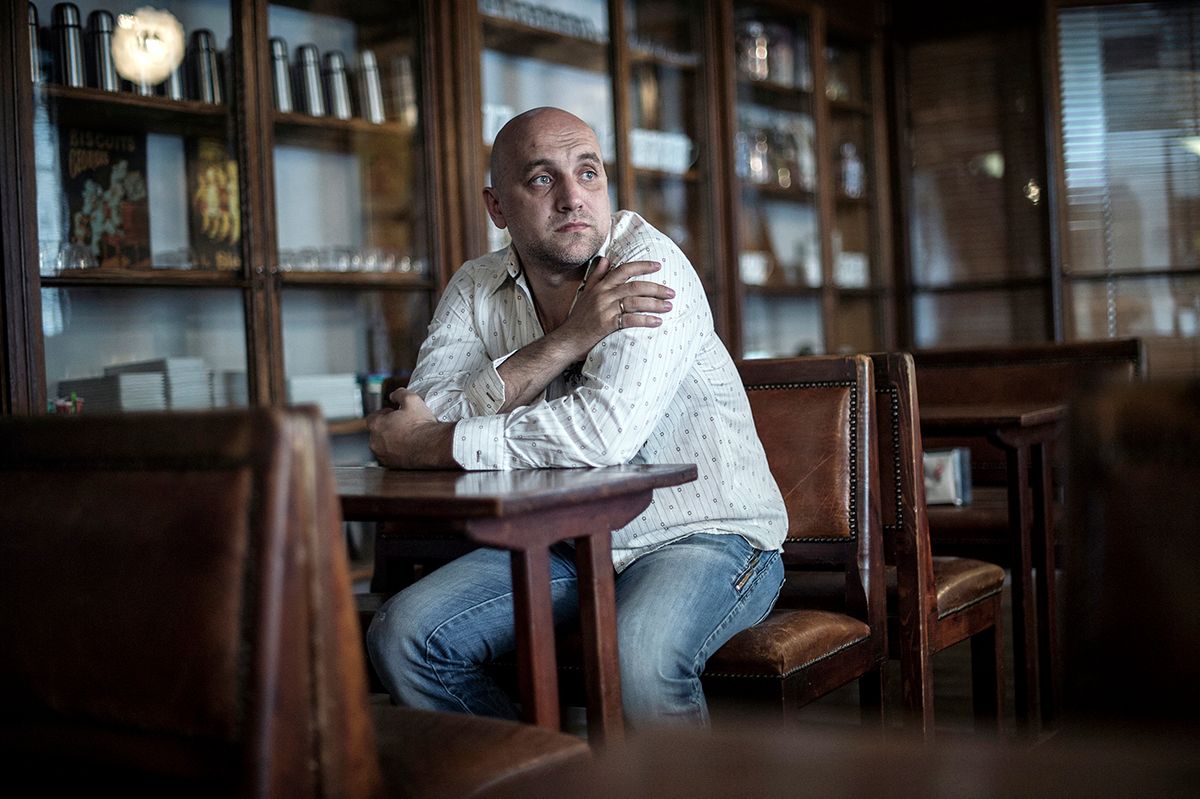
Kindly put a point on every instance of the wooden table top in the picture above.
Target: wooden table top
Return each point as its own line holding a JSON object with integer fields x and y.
{"x": 373, "y": 492}
{"x": 936, "y": 418}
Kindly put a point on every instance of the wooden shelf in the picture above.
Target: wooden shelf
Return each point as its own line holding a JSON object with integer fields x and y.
{"x": 98, "y": 110}
{"x": 691, "y": 176}
{"x": 853, "y": 107}
{"x": 335, "y": 134}
{"x": 775, "y": 96}
{"x": 145, "y": 277}
{"x": 684, "y": 62}
{"x": 518, "y": 39}
{"x": 409, "y": 281}
{"x": 782, "y": 289}
{"x": 776, "y": 192}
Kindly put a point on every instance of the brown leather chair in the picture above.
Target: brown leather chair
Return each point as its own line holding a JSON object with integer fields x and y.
{"x": 815, "y": 417}
{"x": 932, "y": 602}
{"x": 176, "y": 615}
{"x": 1132, "y": 568}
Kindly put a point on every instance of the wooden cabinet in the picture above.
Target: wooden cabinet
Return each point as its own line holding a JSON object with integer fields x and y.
{"x": 812, "y": 271}
{"x": 284, "y": 250}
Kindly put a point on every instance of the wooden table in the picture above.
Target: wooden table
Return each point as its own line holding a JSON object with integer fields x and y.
{"x": 526, "y": 512}
{"x": 1024, "y": 432}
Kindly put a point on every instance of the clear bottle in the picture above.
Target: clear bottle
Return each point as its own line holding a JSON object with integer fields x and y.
{"x": 851, "y": 174}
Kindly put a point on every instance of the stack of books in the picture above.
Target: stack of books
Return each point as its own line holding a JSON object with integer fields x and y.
{"x": 339, "y": 395}
{"x": 187, "y": 383}
{"x": 118, "y": 392}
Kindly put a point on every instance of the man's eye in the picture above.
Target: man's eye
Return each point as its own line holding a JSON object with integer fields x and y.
{"x": 541, "y": 180}
{"x": 589, "y": 174}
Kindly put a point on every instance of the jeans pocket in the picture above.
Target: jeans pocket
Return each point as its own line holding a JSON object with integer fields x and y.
{"x": 748, "y": 572}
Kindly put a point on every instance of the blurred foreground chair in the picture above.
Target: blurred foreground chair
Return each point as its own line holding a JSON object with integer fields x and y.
{"x": 177, "y": 621}
{"x": 815, "y": 417}
{"x": 1132, "y": 571}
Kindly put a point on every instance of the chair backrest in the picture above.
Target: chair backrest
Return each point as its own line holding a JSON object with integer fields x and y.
{"x": 1055, "y": 372}
{"x": 175, "y": 608}
{"x": 815, "y": 417}
{"x": 1132, "y": 651}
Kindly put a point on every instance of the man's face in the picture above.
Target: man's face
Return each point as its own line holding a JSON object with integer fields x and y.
{"x": 551, "y": 192}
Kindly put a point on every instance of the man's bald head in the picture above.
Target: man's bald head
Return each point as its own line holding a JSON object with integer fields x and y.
{"x": 519, "y": 130}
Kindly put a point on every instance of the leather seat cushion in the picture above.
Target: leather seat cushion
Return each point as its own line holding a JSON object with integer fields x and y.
{"x": 450, "y": 755}
{"x": 960, "y": 582}
{"x": 786, "y": 641}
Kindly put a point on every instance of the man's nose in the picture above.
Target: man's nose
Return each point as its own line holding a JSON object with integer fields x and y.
{"x": 570, "y": 196}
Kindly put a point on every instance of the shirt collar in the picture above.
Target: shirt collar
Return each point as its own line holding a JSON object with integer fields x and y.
{"x": 511, "y": 266}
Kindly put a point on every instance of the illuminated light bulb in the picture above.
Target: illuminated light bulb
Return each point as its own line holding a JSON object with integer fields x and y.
{"x": 147, "y": 45}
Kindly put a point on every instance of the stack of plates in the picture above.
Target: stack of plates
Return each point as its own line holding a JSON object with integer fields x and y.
{"x": 229, "y": 389}
{"x": 119, "y": 392}
{"x": 186, "y": 383}
{"x": 339, "y": 396}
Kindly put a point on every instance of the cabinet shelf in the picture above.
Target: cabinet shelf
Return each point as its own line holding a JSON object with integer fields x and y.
{"x": 776, "y": 96}
{"x": 691, "y": 176}
{"x": 527, "y": 41}
{"x": 390, "y": 280}
{"x": 93, "y": 108}
{"x": 990, "y": 284}
{"x": 849, "y": 107}
{"x": 333, "y": 133}
{"x": 684, "y": 62}
{"x": 782, "y": 290}
{"x": 145, "y": 277}
{"x": 776, "y": 192}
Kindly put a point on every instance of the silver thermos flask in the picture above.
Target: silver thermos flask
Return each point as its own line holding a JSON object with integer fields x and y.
{"x": 337, "y": 87}
{"x": 103, "y": 71}
{"x": 68, "y": 44}
{"x": 173, "y": 86}
{"x": 308, "y": 80}
{"x": 35, "y": 51}
{"x": 370, "y": 93}
{"x": 281, "y": 78}
{"x": 205, "y": 69}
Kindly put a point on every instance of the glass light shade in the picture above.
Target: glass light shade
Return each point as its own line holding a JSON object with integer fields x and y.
{"x": 147, "y": 45}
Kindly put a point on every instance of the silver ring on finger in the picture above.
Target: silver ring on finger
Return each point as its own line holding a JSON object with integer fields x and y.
{"x": 621, "y": 304}
{"x": 621, "y": 321}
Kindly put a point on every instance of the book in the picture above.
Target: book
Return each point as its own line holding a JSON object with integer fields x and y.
{"x": 104, "y": 188}
{"x": 214, "y": 207}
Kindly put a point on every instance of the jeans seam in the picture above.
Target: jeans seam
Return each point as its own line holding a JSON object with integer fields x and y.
{"x": 742, "y": 597}
{"x": 436, "y": 630}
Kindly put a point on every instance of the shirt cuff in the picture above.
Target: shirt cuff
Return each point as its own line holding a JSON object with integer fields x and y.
{"x": 485, "y": 394}
{"x": 479, "y": 443}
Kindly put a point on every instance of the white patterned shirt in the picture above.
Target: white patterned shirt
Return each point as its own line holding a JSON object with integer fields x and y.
{"x": 669, "y": 394}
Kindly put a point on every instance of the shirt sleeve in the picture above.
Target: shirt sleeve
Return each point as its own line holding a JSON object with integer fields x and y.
{"x": 454, "y": 373}
{"x": 627, "y": 385}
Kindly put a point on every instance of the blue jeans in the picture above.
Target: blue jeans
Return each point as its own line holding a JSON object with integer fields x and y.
{"x": 675, "y": 607}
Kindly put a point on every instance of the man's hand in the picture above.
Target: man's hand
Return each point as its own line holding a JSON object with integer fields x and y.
{"x": 610, "y": 301}
{"x": 410, "y": 437}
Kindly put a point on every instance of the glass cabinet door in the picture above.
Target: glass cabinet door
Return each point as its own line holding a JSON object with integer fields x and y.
{"x": 352, "y": 221}
{"x": 669, "y": 149}
{"x": 775, "y": 158}
{"x": 855, "y": 250}
{"x": 555, "y": 52}
{"x": 138, "y": 212}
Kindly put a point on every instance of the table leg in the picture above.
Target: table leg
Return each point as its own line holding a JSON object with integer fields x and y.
{"x": 1043, "y": 543}
{"x": 597, "y": 621}
{"x": 1020, "y": 521}
{"x": 537, "y": 672}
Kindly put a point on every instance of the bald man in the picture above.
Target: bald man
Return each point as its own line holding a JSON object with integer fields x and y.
{"x": 586, "y": 342}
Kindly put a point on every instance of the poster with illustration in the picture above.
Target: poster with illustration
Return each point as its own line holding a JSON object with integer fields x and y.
{"x": 214, "y": 212}
{"x": 104, "y": 186}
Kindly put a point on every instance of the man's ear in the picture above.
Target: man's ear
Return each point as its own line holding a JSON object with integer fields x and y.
{"x": 492, "y": 201}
